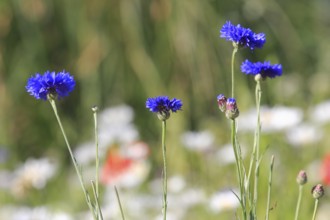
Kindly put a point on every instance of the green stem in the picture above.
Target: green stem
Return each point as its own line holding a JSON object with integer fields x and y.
{"x": 99, "y": 212}
{"x": 257, "y": 146}
{"x": 315, "y": 208}
{"x": 298, "y": 202}
{"x": 97, "y": 162}
{"x": 165, "y": 169}
{"x": 232, "y": 71}
{"x": 238, "y": 166}
{"x": 119, "y": 203}
{"x": 88, "y": 200}
{"x": 233, "y": 138}
{"x": 269, "y": 187}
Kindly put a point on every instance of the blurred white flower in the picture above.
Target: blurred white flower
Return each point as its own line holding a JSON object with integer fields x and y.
{"x": 33, "y": 173}
{"x": 304, "y": 134}
{"x": 320, "y": 113}
{"x": 85, "y": 153}
{"x": 35, "y": 213}
{"x": 137, "y": 208}
{"x": 225, "y": 155}
{"x": 176, "y": 184}
{"x": 117, "y": 115}
{"x": 187, "y": 198}
{"x": 137, "y": 150}
{"x": 171, "y": 215}
{"x": 273, "y": 119}
{"x": 116, "y": 125}
{"x": 323, "y": 212}
{"x": 198, "y": 141}
{"x": 223, "y": 200}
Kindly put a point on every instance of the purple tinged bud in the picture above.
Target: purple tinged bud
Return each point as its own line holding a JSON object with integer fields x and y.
{"x": 222, "y": 100}
{"x": 302, "y": 177}
{"x": 232, "y": 111}
{"x": 318, "y": 191}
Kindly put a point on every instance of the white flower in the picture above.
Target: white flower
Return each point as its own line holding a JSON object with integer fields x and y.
{"x": 176, "y": 184}
{"x": 273, "y": 119}
{"x": 117, "y": 115}
{"x": 198, "y": 141}
{"x": 35, "y": 213}
{"x": 304, "y": 134}
{"x": 223, "y": 200}
{"x": 320, "y": 113}
{"x": 85, "y": 153}
{"x": 33, "y": 173}
{"x": 116, "y": 125}
{"x": 225, "y": 155}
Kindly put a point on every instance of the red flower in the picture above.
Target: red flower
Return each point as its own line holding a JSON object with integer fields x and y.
{"x": 126, "y": 166}
{"x": 115, "y": 165}
{"x": 325, "y": 170}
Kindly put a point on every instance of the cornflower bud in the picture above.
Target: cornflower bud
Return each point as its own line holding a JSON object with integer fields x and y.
{"x": 232, "y": 111}
{"x": 222, "y": 100}
{"x": 302, "y": 177}
{"x": 318, "y": 191}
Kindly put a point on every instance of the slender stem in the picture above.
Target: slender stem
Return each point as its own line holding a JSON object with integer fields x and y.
{"x": 238, "y": 166}
{"x": 232, "y": 71}
{"x": 315, "y": 208}
{"x": 88, "y": 200}
{"x": 269, "y": 187}
{"x": 97, "y": 162}
{"x": 252, "y": 160}
{"x": 165, "y": 169}
{"x": 298, "y": 202}
{"x": 236, "y": 149}
{"x": 99, "y": 212}
{"x": 257, "y": 145}
{"x": 119, "y": 203}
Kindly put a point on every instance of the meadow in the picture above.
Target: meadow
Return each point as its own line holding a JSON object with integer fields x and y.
{"x": 120, "y": 53}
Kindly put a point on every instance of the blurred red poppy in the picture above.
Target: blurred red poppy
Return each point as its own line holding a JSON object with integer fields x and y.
{"x": 325, "y": 170}
{"x": 115, "y": 165}
{"x": 127, "y": 165}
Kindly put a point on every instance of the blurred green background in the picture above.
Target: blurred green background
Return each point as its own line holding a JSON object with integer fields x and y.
{"x": 128, "y": 50}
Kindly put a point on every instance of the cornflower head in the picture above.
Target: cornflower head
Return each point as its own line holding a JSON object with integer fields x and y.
{"x": 163, "y": 106}
{"x": 242, "y": 37}
{"x": 50, "y": 85}
{"x": 262, "y": 70}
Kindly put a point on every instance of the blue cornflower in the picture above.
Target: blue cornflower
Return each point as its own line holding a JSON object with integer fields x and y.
{"x": 50, "y": 85}
{"x": 163, "y": 106}
{"x": 265, "y": 69}
{"x": 242, "y": 37}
